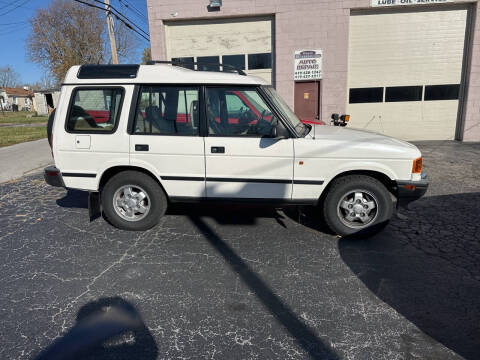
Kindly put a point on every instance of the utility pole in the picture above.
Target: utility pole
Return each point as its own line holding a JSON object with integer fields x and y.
{"x": 113, "y": 44}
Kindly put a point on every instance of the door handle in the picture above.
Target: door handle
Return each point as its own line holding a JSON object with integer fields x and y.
{"x": 218, "y": 149}
{"x": 141, "y": 147}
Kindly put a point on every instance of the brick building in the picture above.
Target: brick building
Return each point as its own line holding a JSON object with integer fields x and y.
{"x": 407, "y": 68}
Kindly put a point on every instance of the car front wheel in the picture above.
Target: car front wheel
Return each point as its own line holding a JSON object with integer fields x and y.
{"x": 357, "y": 204}
{"x": 132, "y": 200}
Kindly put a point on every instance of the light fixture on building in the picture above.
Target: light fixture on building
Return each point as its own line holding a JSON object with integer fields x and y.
{"x": 215, "y": 3}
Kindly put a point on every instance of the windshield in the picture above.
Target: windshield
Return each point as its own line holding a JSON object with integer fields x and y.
{"x": 279, "y": 103}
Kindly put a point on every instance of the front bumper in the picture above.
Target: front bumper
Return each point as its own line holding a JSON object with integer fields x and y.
{"x": 409, "y": 191}
{"x": 53, "y": 176}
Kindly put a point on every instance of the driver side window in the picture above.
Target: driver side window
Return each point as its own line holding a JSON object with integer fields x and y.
{"x": 237, "y": 112}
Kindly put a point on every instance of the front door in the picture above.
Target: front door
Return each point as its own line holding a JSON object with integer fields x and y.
{"x": 242, "y": 161}
{"x": 166, "y": 139}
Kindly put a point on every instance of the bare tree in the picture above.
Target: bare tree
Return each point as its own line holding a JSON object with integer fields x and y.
{"x": 46, "y": 82}
{"x": 8, "y": 77}
{"x": 126, "y": 43}
{"x": 146, "y": 55}
{"x": 68, "y": 33}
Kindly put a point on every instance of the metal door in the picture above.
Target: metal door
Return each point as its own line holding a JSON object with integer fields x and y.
{"x": 307, "y": 100}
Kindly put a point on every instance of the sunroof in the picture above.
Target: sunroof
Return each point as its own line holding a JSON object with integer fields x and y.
{"x": 108, "y": 71}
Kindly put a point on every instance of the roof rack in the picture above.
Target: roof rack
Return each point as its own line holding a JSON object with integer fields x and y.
{"x": 187, "y": 64}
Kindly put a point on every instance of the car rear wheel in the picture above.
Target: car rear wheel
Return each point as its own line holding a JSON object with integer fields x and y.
{"x": 357, "y": 204}
{"x": 132, "y": 200}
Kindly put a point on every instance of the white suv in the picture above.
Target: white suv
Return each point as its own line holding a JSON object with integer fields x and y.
{"x": 139, "y": 137}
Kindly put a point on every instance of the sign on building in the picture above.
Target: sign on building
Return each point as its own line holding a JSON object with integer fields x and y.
{"x": 375, "y": 3}
{"x": 308, "y": 65}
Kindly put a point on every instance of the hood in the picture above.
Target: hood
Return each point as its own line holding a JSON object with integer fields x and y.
{"x": 363, "y": 143}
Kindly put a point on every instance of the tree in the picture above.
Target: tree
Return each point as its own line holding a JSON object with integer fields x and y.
{"x": 46, "y": 82}
{"x": 8, "y": 77}
{"x": 68, "y": 33}
{"x": 146, "y": 55}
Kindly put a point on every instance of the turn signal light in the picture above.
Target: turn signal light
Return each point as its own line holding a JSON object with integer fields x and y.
{"x": 345, "y": 118}
{"x": 417, "y": 166}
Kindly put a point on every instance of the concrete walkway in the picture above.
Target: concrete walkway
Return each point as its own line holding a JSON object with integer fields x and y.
{"x": 19, "y": 159}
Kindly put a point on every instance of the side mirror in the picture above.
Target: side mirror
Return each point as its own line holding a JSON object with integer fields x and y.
{"x": 279, "y": 131}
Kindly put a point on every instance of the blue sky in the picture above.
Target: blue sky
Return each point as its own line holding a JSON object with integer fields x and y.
{"x": 14, "y": 30}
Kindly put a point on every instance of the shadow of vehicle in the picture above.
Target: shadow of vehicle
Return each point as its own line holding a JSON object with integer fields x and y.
{"x": 228, "y": 214}
{"x": 109, "y": 328}
{"x": 222, "y": 213}
{"x": 74, "y": 199}
{"x": 427, "y": 267}
{"x": 310, "y": 216}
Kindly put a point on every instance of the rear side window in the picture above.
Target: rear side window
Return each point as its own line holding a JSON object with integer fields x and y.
{"x": 167, "y": 110}
{"x": 95, "y": 110}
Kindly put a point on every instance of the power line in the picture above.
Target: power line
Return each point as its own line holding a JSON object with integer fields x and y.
{"x": 12, "y": 30}
{"x": 125, "y": 19}
{"x": 13, "y": 23}
{"x": 147, "y": 38}
{"x": 117, "y": 17}
{"x": 135, "y": 8}
{"x": 14, "y": 8}
{"x": 127, "y": 10}
{"x": 129, "y": 5}
{"x": 10, "y": 3}
{"x": 118, "y": 14}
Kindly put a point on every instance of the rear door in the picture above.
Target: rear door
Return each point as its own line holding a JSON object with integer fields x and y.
{"x": 165, "y": 139}
{"x": 242, "y": 161}
{"x": 90, "y": 132}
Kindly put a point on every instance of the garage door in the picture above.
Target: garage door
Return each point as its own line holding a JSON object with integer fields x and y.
{"x": 245, "y": 43}
{"x": 405, "y": 72}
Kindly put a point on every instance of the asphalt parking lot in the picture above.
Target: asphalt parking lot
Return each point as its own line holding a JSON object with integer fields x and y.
{"x": 239, "y": 282}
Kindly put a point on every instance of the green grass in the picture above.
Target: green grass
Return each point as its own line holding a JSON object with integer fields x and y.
{"x": 15, "y": 135}
{"x": 21, "y": 118}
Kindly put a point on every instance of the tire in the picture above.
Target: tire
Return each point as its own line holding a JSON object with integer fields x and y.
{"x": 146, "y": 212}
{"x": 341, "y": 203}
